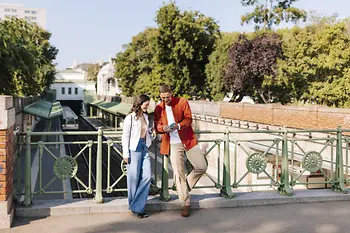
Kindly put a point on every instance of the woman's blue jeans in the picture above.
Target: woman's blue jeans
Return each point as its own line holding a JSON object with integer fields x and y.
{"x": 138, "y": 177}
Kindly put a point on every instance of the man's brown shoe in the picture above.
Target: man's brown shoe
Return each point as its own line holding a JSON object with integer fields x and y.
{"x": 186, "y": 211}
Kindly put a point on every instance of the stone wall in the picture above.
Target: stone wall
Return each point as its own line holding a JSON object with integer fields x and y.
{"x": 7, "y": 160}
{"x": 274, "y": 114}
{"x": 23, "y": 120}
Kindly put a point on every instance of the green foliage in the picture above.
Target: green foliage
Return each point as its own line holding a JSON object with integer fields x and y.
{"x": 272, "y": 12}
{"x": 175, "y": 53}
{"x": 218, "y": 62}
{"x": 187, "y": 51}
{"x": 26, "y": 58}
{"x": 92, "y": 72}
{"x": 136, "y": 61}
{"x": 184, "y": 43}
{"x": 317, "y": 61}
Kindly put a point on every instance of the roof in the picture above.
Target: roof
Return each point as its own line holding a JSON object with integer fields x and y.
{"x": 44, "y": 109}
{"x": 70, "y": 71}
{"x": 113, "y": 107}
{"x": 68, "y": 113}
{"x": 73, "y": 81}
{"x": 84, "y": 66}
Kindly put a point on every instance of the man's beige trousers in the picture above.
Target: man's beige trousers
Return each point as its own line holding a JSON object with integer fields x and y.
{"x": 177, "y": 158}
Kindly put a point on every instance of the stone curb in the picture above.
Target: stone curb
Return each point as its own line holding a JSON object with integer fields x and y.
{"x": 205, "y": 201}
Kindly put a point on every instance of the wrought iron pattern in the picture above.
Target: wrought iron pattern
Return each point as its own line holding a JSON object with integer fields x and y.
{"x": 65, "y": 167}
{"x": 312, "y": 161}
{"x": 256, "y": 163}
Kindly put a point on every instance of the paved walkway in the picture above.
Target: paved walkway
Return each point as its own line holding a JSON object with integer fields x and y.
{"x": 331, "y": 217}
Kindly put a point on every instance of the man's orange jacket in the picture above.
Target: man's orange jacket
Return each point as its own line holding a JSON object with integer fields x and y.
{"x": 183, "y": 116}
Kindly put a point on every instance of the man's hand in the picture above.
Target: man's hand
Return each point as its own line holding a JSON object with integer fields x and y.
{"x": 175, "y": 127}
{"x": 167, "y": 129}
{"x": 126, "y": 160}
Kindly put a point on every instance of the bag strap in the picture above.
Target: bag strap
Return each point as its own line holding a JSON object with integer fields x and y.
{"x": 130, "y": 130}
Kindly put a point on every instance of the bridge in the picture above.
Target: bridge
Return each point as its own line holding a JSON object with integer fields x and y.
{"x": 254, "y": 158}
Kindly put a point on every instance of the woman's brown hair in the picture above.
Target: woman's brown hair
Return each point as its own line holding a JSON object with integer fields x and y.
{"x": 136, "y": 108}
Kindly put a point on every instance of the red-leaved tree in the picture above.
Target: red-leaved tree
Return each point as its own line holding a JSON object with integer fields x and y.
{"x": 251, "y": 63}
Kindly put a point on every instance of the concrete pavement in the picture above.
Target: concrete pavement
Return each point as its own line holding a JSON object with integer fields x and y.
{"x": 327, "y": 217}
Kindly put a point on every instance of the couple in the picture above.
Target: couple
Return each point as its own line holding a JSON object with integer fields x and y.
{"x": 173, "y": 120}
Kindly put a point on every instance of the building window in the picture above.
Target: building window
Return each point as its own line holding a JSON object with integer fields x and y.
{"x": 63, "y": 90}
{"x": 76, "y": 91}
{"x": 69, "y": 90}
{"x": 29, "y": 18}
{"x": 30, "y": 12}
{"x": 10, "y": 10}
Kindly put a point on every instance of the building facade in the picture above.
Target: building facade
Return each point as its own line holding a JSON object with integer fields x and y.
{"x": 107, "y": 84}
{"x": 72, "y": 84}
{"x": 36, "y": 15}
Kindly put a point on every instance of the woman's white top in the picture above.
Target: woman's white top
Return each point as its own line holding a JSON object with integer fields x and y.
{"x": 132, "y": 133}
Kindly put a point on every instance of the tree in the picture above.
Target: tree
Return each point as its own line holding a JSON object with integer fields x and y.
{"x": 137, "y": 59}
{"x": 272, "y": 12}
{"x": 174, "y": 53}
{"x": 218, "y": 62}
{"x": 316, "y": 62}
{"x": 250, "y": 62}
{"x": 26, "y": 58}
{"x": 184, "y": 43}
{"x": 92, "y": 71}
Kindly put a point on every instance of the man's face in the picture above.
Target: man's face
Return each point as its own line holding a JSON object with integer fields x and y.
{"x": 166, "y": 97}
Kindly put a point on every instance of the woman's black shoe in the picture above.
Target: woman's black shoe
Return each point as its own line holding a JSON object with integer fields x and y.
{"x": 142, "y": 215}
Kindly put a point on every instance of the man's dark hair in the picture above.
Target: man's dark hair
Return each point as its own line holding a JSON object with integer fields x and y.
{"x": 165, "y": 88}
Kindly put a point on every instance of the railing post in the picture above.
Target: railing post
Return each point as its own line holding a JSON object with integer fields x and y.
{"x": 91, "y": 111}
{"x": 27, "y": 178}
{"x": 164, "y": 195}
{"x": 111, "y": 118}
{"x": 116, "y": 122}
{"x": 154, "y": 189}
{"x": 98, "y": 194}
{"x": 284, "y": 187}
{"x": 338, "y": 185}
{"x": 226, "y": 190}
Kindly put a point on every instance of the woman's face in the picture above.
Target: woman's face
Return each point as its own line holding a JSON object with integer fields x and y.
{"x": 144, "y": 106}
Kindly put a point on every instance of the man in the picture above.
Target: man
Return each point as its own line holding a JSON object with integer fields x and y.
{"x": 173, "y": 119}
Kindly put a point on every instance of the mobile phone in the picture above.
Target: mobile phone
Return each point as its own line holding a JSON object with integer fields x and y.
{"x": 172, "y": 126}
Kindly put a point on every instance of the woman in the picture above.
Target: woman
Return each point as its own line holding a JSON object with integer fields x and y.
{"x": 135, "y": 141}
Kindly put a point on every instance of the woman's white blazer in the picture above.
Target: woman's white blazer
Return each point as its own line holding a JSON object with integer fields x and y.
{"x": 132, "y": 132}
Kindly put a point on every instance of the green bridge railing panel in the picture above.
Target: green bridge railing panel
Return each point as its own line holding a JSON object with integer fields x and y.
{"x": 282, "y": 144}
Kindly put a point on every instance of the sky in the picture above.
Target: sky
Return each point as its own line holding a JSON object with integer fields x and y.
{"x": 92, "y": 30}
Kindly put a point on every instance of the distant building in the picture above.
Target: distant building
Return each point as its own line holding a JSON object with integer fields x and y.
{"x": 107, "y": 84}
{"x": 72, "y": 84}
{"x": 36, "y": 15}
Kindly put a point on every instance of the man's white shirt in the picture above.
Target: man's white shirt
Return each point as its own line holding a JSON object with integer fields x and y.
{"x": 174, "y": 136}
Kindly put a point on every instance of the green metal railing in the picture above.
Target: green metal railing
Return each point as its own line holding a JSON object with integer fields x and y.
{"x": 283, "y": 145}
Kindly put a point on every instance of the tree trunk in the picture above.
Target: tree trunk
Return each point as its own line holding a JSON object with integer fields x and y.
{"x": 262, "y": 96}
